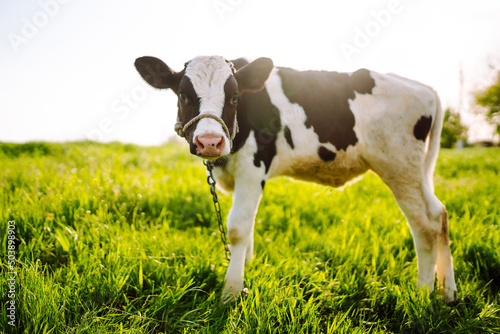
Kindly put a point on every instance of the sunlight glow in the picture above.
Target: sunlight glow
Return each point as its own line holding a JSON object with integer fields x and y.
{"x": 67, "y": 67}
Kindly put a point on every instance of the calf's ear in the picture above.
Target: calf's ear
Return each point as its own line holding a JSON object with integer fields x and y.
{"x": 252, "y": 77}
{"x": 157, "y": 73}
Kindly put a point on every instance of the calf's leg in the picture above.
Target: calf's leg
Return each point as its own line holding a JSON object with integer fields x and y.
{"x": 445, "y": 273}
{"x": 428, "y": 222}
{"x": 240, "y": 225}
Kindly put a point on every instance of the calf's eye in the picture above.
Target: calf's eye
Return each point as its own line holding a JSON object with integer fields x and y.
{"x": 234, "y": 98}
{"x": 183, "y": 98}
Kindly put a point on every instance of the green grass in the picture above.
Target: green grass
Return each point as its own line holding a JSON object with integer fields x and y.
{"x": 123, "y": 239}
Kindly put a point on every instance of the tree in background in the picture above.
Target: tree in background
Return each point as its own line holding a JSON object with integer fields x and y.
{"x": 490, "y": 98}
{"x": 453, "y": 129}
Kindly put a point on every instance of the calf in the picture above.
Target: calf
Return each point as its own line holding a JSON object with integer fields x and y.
{"x": 257, "y": 121}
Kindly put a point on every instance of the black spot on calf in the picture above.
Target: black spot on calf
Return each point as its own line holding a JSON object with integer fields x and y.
{"x": 325, "y": 98}
{"x": 288, "y": 137}
{"x": 325, "y": 154}
{"x": 362, "y": 82}
{"x": 421, "y": 129}
{"x": 256, "y": 113}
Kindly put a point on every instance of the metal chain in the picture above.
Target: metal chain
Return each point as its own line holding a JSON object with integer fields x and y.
{"x": 211, "y": 183}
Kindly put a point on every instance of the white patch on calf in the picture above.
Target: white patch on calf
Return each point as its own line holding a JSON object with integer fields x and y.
{"x": 394, "y": 100}
{"x": 209, "y": 74}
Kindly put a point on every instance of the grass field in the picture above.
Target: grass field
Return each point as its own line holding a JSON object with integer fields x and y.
{"x": 123, "y": 239}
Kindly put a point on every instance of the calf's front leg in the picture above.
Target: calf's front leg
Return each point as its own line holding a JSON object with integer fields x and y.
{"x": 240, "y": 225}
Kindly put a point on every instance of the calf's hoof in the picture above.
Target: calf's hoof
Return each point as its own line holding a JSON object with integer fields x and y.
{"x": 449, "y": 295}
{"x": 231, "y": 290}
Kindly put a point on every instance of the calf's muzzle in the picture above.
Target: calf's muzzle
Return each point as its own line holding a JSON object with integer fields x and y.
{"x": 209, "y": 145}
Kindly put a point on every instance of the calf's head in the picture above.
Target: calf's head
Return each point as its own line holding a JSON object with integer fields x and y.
{"x": 208, "y": 90}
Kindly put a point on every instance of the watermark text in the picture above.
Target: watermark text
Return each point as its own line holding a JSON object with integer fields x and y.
{"x": 222, "y": 7}
{"x": 363, "y": 36}
{"x": 32, "y": 26}
{"x": 12, "y": 273}
{"x": 121, "y": 108}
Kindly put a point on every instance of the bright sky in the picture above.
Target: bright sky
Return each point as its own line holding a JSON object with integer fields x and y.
{"x": 66, "y": 66}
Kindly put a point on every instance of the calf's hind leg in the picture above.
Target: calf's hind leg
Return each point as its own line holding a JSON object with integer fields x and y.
{"x": 445, "y": 273}
{"x": 428, "y": 222}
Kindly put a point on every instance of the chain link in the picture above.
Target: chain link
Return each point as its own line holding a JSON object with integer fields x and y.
{"x": 211, "y": 183}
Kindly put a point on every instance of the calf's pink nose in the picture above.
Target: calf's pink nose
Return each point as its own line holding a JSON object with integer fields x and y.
{"x": 209, "y": 145}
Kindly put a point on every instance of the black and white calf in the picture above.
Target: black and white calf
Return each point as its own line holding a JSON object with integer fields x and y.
{"x": 259, "y": 121}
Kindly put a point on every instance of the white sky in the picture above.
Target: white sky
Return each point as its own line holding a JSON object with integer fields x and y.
{"x": 66, "y": 66}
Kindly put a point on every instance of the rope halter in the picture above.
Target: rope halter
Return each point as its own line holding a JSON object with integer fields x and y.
{"x": 180, "y": 128}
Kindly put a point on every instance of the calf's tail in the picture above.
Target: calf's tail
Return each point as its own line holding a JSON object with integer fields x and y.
{"x": 433, "y": 144}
